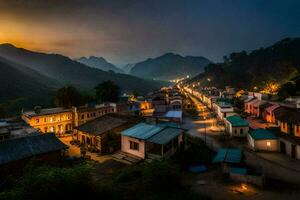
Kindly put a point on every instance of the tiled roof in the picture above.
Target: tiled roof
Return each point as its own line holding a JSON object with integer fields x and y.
{"x": 101, "y": 124}
{"x": 142, "y": 131}
{"x": 25, "y": 147}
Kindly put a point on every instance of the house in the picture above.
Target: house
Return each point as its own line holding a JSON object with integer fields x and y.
{"x": 257, "y": 107}
{"x": 248, "y": 104}
{"x": 289, "y": 135}
{"x": 262, "y": 140}
{"x": 62, "y": 120}
{"x": 145, "y": 140}
{"x": 16, "y": 153}
{"x": 93, "y": 134}
{"x": 223, "y": 109}
{"x": 173, "y": 116}
{"x": 235, "y": 126}
{"x": 228, "y": 158}
{"x": 269, "y": 114}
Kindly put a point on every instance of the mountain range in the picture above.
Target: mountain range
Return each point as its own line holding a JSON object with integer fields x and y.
{"x": 99, "y": 63}
{"x": 30, "y": 78}
{"x": 278, "y": 63}
{"x": 169, "y": 66}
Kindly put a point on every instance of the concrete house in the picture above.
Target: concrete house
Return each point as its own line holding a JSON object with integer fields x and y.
{"x": 145, "y": 140}
{"x": 235, "y": 126}
{"x": 262, "y": 140}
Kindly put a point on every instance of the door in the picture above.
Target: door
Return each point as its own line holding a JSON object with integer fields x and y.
{"x": 282, "y": 147}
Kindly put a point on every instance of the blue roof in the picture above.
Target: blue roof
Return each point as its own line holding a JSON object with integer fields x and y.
{"x": 165, "y": 135}
{"x": 228, "y": 155}
{"x": 237, "y": 170}
{"x": 174, "y": 114}
{"x": 142, "y": 131}
{"x": 262, "y": 134}
{"x": 169, "y": 124}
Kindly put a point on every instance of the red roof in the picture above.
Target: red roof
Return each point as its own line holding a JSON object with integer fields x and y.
{"x": 272, "y": 108}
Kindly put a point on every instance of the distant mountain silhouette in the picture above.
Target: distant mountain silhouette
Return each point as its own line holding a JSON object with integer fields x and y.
{"x": 99, "y": 63}
{"x": 67, "y": 71}
{"x": 169, "y": 66}
{"x": 279, "y": 63}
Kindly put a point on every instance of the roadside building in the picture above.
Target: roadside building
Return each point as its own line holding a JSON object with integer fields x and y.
{"x": 235, "y": 126}
{"x": 93, "y": 134}
{"x": 223, "y": 109}
{"x": 289, "y": 122}
{"x": 257, "y": 107}
{"x": 269, "y": 114}
{"x": 16, "y": 153}
{"x": 145, "y": 140}
{"x": 262, "y": 140}
{"x": 50, "y": 120}
{"x": 61, "y": 120}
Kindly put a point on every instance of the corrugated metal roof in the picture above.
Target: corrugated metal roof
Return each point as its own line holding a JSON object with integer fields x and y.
{"x": 174, "y": 114}
{"x": 142, "y": 131}
{"x": 165, "y": 135}
{"x": 25, "y": 147}
{"x": 228, "y": 156}
{"x": 236, "y": 120}
{"x": 262, "y": 134}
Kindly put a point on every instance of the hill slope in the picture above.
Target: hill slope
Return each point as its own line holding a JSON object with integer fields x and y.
{"x": 67, "y": 71}
{"x": 99, "y": 63}
{"x": 169, "y": 66}
{"x": 278, "y": 64}
{"x": 21, "y": 86}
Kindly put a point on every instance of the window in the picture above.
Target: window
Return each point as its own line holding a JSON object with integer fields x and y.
{"x": 68, "y": 116}
{"x": 45, "y": 119}
{"x": 297, "y": 128}
{"x": 268, "y": 144}
{"x": 88, "y": 115}
{"x": 241, "y": 131}
{"x": 134, "y": 145}
{"x": 46, "y": 129}
{"x": 37, "y": 120}
{"x": 82, "y": 116}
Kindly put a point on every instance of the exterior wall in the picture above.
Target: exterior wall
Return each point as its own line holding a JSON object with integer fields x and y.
{"x": 288, "y": 148}
{"x": 284, "y": 127}
{"x": 126, "y": 146}
{"x": 239, "y": 131}
{"x": 89, "y": 140}
{"x": 85, "y": 115}
{"x": 59, "y": 123}
{"x": 261, "y": 145}
{"x": 297, "y": 130}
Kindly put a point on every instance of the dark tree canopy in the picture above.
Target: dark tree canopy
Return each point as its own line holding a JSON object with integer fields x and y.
{"x": 67, "y": 97}
{"x": 107, "y": 91}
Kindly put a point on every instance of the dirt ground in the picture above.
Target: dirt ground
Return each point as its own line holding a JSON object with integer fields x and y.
{"x": 214, "y": 185}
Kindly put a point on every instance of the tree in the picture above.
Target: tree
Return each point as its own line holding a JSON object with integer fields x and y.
{"x": 67, "y": 97}
{"x": 107, "y": 91}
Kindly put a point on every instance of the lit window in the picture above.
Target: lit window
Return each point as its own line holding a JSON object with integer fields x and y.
{"x": 37, "y": 121}
{"x": 268, "y": 144}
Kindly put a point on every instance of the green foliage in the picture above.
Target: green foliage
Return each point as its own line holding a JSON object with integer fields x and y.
{"x": 107, "y": 91}
{"x": 67, "y": 97}
{"x": 196, "y": 153}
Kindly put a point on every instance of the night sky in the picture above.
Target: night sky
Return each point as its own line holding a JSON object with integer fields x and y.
{"x": 129, "y": 31}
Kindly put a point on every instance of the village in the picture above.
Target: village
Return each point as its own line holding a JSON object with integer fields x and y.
{"x": 252, "y": 146}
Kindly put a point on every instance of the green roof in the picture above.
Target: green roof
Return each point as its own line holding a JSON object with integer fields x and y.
{"x": 153, "y": 133}
{"x": 262, "y": 134}
{"x": 165, "y": 136}
{"x": 236, "y": 120}
{"x": 228, "y": 156}
{"x": 142, "y": 131}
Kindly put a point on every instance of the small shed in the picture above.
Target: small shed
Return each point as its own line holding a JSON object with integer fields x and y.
{"x": 262, "y": 140}
{"x": 144, "y": 140}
